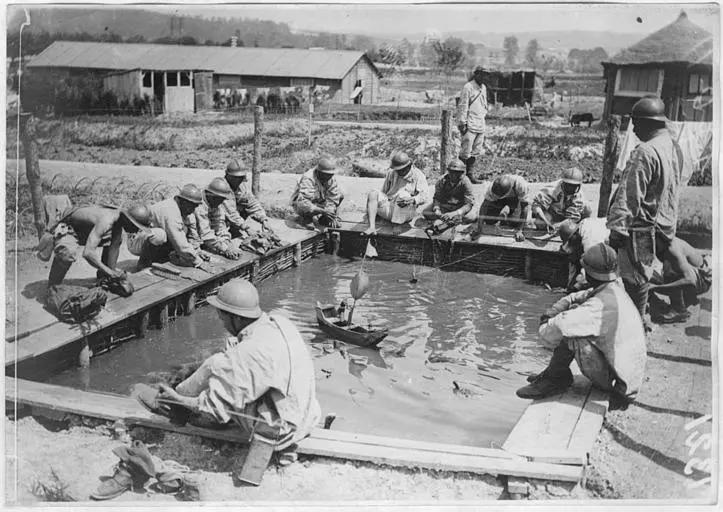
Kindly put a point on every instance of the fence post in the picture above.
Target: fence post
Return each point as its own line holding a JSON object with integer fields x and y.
{"x": 609, "y": 160}
{"x": 311, "y": 113}
{"x": 444, "y": 153}
{"x": 32, "y": 170}
{"x": 258, "y": 132}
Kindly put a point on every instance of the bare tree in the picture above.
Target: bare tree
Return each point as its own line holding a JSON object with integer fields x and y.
{"x": 531, "y": 52}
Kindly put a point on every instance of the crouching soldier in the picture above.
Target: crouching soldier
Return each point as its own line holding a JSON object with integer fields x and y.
{"x": 600, "y": 328}
{"x": 172, "y": 216}
{"x": 405, "y": 188}
{"x": 263, "y": 381}
{"x": 210, "y": 220}
{"x": 243, "y": 204}
{"x": 453, "y": 198}
{"x": 560, "y": 201}
{"x": 92, "y": 227}
{"x": 578, "y": 237}
{"x": 507, "y": 194}
{"x": 318, "y": 195}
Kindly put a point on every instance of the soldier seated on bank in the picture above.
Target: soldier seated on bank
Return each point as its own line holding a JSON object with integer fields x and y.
{"x": 318, "y": 195}
{"x": 600, "y": 328}
{"x": 508, "y": 194}
{"x": 91, "y": 227}
{"x": 560, "y": 201}
{"x": 453, "y": 197}
{"x": 175, "y": 217}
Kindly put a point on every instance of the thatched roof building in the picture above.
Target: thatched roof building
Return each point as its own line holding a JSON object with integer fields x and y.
{"x": 675, "y": 63}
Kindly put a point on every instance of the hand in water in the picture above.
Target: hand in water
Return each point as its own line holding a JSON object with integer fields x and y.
{"x": 519, "y": 236}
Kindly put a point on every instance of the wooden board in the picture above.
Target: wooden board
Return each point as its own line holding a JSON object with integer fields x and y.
{"x": 327, "y": 443}
{"x": 560, "y": 429}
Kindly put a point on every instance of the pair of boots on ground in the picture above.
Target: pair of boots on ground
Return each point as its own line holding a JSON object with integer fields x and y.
{"x": 136, "y": 467}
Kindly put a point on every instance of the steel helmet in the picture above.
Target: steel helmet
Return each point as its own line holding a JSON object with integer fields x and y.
{"x": 400, "y": 160}
{"x": 502, "y": 185}
{"x": 219, "y": 187}
{"x": 568, "y": 228}
{"x": 601, "y": 262}
{"x": 190, "y": 193}
{"x": 139, "y": 215}
{"x": 456, "y": 166}
{"x": 572, "y": 176}
{"x": 649, "y": 107}
{"x": 234, "y": 168}
{"x": 326, "y": 165}
{"x": 238, "y": 297}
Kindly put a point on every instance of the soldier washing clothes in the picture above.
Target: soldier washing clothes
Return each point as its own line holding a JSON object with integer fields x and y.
{"x": 244, "y": 203}
{"x": 507, "y": 194}
{"x": 561, "y": 200}
{"x": 471, "y": 112}
{"x": 318, "y": 195}
{"x": 453, "y": 197}
{"x": 210, "y": 217}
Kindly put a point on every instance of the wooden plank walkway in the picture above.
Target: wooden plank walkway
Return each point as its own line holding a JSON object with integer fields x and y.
{"x": 56, "y": 401}
{"x": 42, "y": 333}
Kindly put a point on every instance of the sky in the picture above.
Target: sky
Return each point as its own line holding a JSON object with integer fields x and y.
{"x": 402, "y": 19}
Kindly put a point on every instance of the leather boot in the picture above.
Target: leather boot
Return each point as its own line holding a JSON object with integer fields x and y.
{"x": 470, "y": 168}
{"x": 554, "y": 379}
{"x": 120, "y": 482}
{"x": 58, "y": 270}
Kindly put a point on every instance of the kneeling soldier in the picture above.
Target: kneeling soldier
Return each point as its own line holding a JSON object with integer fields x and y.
{"x": 560, "y": 201}
{"x": 453, "y": 197}
{"x": 506, "y": 194}
{"x": 211, "y": 220}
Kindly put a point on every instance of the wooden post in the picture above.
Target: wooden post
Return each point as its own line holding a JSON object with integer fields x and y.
{"x": 32, "y": 170}
{"x": 311, "y": 113}
{"x": 445, "y": 150}
{"x": 609, "y": 160}
{"x": 258, "y": 133}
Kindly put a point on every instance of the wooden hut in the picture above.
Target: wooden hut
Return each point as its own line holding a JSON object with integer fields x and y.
{"x": 675, "y": 63}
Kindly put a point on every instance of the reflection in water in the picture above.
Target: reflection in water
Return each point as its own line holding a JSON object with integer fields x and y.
{"x": 450, "y": 327}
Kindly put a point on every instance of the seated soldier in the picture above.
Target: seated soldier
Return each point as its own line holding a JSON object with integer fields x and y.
{"x": 687, "y": 273}
{"x": 173, "y": 217}
{"x": 318, "y": 195}
{"x": 453, "y": 197}
{"x": 506, "y": 194}
{"x": 91, "y": 227}
{"x": 404, "y": 188}
{"x": 243, "y": 204}
{"x": 600, "y": 328}
{"x": 578, "y": 237}
{"x": 210, "y": 217}
{"x": 560, "y": 201}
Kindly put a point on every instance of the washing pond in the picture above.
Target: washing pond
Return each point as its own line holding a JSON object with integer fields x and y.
{"x": 459, "y": 345}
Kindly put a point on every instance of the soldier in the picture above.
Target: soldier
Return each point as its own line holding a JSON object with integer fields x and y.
{"x": 508, "y": 194}
{"x": 471, "y": 112}
{"x": 243, "y": 204}
{"x": 561, "y": 200}
{"x": 210, "y": 219}
{"x": 317, "y": 196}
{"x": 453, "y": 197}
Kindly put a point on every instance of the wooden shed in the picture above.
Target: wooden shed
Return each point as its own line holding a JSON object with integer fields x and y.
{"x": 675, "y": 63}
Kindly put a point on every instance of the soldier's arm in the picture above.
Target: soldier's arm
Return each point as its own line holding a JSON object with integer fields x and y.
{"x": 90, "y": 251}
{"x": 422, "y": 195}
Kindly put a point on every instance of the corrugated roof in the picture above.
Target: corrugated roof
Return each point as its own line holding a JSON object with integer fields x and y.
{"x": 287, "y": 62}
{"x": 681, "y": 41}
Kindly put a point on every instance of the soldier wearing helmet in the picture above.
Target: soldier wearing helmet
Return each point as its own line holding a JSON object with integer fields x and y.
{"x": 643, "y": 210}
{"x": 318, "y": 195}
{"x": 265, "y": 373}
{"x": 91, "y": 227}
{"x": 507, "y": 194}
{"x": 560, "y": 200}
{"x": 210, "y": 220}
{"x": 453, "y": 197}
{"x": 599, "y": 328}
{"x": 243, "y": 204}
{"x": 405, "y": 188}
{"x": 175, "y": 217}
{"x": 471, "y": 113}
{"x": 576, "y": 239}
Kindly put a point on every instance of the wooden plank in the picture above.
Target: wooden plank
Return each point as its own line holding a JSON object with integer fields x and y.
{"x": 395, "y": 452}
{"x": 590, "y": 422}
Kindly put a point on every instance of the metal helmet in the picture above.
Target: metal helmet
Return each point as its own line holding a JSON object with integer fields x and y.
{"x": 326, "y": 165}
{"x": 649, "y": 107}
{"x": 139, "y": 215}
{"x": 219, "y": 187}
{"x": 234, "y": 168}
{"x": 568, "y": 228}
{"x": 400, "y": 160}
{"x": 601, "y": 262}
{"x": 572, "y": 176}
{"x": 190, "y": 193}
{"x": 238, "y": 297}
{"x": 502, "y": 185}
{"x": 456, "y": 166}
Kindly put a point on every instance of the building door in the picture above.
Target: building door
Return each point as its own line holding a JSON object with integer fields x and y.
{"x": 159, "y": 90}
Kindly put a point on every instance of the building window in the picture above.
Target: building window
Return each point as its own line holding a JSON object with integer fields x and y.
{"x": 185, "y": 78}
{"x": 147, "y": 79}
{"x": 699, "y": 84}
{"x": 638, "y": 81}
{"x": 172, "y": 79}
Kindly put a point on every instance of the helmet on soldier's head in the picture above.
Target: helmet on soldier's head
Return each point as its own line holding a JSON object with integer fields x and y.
{"x": 234, "y": 168}
{"x": 601, "y": 262}
{"x": 219, "y": 187}
{"x": 568, "y": 228}
{"x": 190, "y": 193}
{"x": 238, "y": 297}
{"x": 649, "y": 107}
{"x": 502, "y": 185}
{"x": 326, "y": 165}
{"x": 139, "y": 215}
{"x": 572, "y": 175}
{"x": 456, "y": 166}
{"x": 400, "y": 160}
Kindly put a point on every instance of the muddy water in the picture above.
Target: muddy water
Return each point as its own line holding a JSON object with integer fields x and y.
{"x": 475, "y": 330}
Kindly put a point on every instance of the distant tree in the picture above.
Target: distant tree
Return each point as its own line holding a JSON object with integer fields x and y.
{"x": 136, "y": 39}
{"x": 586, "y": 61}
{"x": 531, "y": 52}
{"x": 391, "y": 56}
{"x": 407, "y": 49}
{"x": 450, "y": 54}
{"x": 210, "y": 42}
{"x": 512, "y": 49}
{"x": 427, "y": 54}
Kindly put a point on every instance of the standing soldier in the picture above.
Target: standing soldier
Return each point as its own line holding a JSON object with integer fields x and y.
{"x": 471, "y": 113}
{"x": 243, "y": 204}
{"x": 644, "y": 208}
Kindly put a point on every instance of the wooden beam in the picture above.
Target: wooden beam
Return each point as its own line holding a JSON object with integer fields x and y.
{"x": 326, "y": 443}
{"x": 610, "y": 159}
